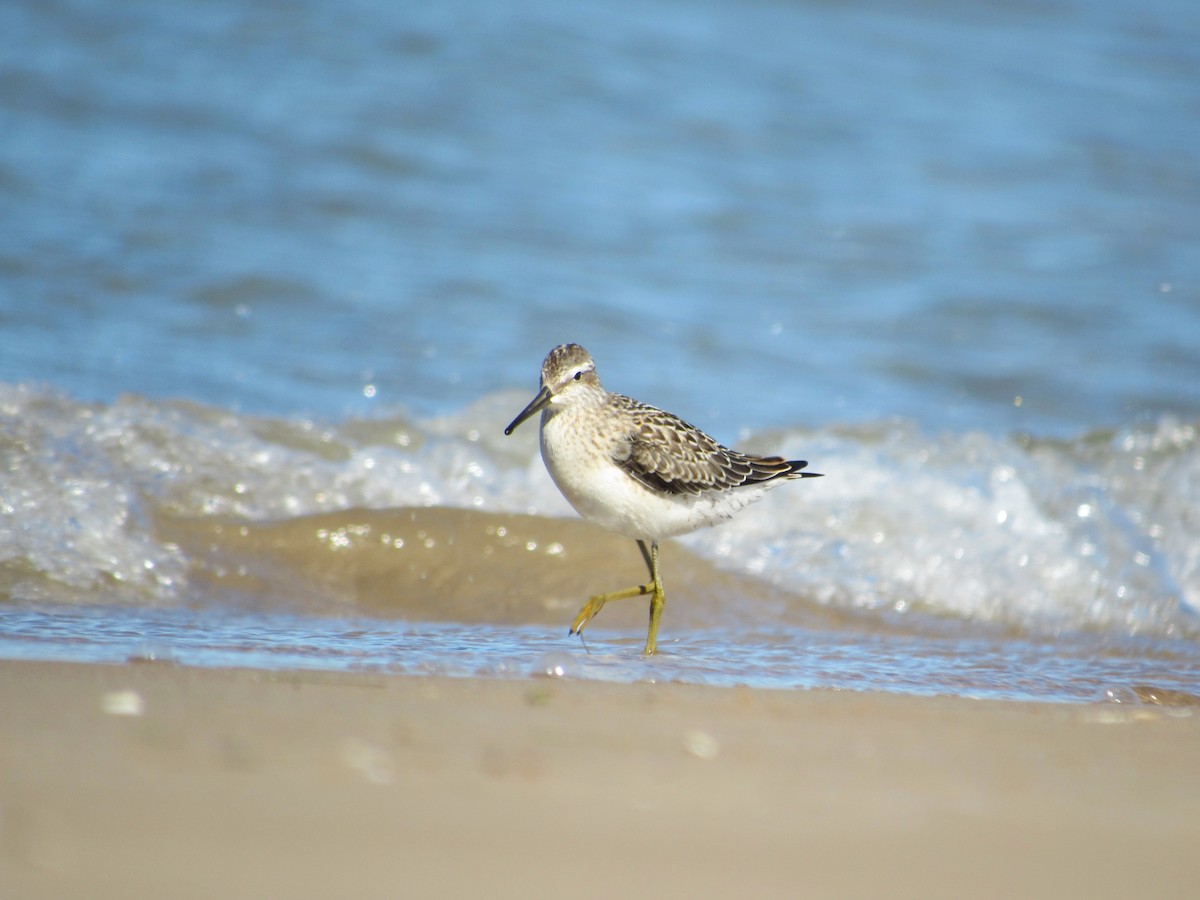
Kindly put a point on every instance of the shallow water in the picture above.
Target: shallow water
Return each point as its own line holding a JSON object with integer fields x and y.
{"x": 260, "y": 268}
{"x": 1079, "y": 669}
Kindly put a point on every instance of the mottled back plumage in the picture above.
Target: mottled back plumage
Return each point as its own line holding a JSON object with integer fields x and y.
{"x": 665, "y": 453}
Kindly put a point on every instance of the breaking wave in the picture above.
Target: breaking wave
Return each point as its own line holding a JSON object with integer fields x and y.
{"x": 173, "y": 503}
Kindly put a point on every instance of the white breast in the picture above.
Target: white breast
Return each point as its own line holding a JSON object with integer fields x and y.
{"x": 579, "y": 460}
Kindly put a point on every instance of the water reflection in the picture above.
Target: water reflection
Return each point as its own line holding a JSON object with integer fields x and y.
{"x": 1080, "y": 668}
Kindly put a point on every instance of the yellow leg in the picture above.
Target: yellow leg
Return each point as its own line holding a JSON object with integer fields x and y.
{"x": 653, "y": 587}
{"x": 657, "y": 601}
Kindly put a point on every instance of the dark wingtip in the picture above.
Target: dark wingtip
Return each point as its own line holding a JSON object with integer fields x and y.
{"x": 795, "y": 465}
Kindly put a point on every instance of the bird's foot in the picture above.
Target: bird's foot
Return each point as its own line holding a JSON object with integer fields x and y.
{"x": 595, "y": 604}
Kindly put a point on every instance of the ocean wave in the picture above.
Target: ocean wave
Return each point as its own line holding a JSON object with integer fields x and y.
{"x": 171, "y": 503}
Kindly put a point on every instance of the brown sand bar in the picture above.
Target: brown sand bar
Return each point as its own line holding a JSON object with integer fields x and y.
{"x": 153, "y": 780}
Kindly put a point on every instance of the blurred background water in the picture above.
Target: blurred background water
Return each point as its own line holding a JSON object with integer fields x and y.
{"x": 768, "y": 212}
{"x": 946, "y": 252}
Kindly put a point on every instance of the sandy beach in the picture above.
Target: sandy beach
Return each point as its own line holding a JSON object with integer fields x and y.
{"x": 159, "y": 780}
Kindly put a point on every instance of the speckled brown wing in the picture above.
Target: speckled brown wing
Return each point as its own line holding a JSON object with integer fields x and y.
{"x": 666, "y": 454}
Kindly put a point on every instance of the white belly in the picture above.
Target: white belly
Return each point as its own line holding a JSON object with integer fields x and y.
{"x": 602, "y": 492}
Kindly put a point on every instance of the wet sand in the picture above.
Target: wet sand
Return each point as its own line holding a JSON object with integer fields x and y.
{"x": 157, "y": 780}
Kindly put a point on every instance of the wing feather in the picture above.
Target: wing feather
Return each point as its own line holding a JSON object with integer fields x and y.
{"x": 666, "y": 454}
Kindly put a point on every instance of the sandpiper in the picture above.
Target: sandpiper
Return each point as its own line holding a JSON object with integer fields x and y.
{"x": 639, "y": 471}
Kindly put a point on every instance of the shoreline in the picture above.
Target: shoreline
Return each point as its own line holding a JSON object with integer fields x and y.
{"x": 122, "y": 780}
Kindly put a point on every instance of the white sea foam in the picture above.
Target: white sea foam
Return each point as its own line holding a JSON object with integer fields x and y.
{"x": 1049, "y": 535}
{"x": 1095, "y": 533}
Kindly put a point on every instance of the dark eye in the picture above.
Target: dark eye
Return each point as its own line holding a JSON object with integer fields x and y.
{"x": 578, "y": 375}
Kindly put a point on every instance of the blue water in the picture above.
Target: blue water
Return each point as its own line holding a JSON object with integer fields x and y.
{"x": 984, "y": 666}
{"x": 762, "y": 213}
{"x": 927, "y": 242}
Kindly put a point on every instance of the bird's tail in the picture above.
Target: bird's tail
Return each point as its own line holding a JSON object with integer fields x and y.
{"x": 770, "y": 468}
{"x": 794, "y": 467}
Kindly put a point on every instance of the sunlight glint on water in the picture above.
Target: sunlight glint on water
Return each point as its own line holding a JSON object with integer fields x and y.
{"x": 986, "y": 668}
